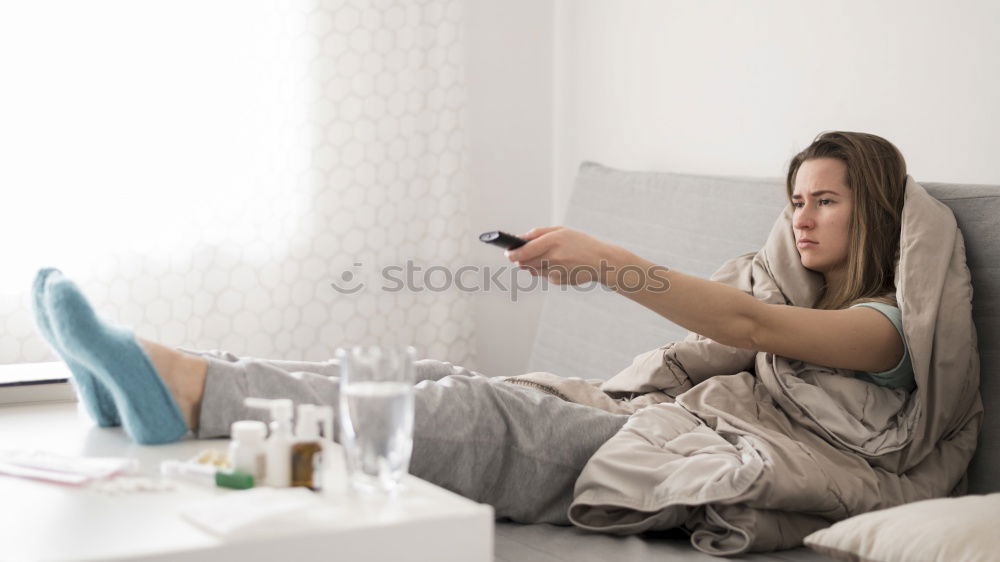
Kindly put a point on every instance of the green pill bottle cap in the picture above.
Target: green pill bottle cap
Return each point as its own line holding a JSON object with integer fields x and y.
{"x": 236, "y": 480}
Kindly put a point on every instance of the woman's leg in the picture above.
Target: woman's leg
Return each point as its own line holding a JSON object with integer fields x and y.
{"x": 515, "y": 448}
{"x": 512, "y": 447}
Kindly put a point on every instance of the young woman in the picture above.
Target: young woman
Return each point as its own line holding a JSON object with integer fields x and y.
{"x": 513, "y": 447}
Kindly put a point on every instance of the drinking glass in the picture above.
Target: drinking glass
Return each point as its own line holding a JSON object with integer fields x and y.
{"x": 376, "y": 415}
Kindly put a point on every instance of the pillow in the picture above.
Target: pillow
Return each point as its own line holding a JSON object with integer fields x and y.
{"x": 943, "y": 529}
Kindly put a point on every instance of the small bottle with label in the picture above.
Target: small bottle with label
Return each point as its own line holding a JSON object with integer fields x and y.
{"x": 246, "y": 450}
{"x": 279, "y": 441}
{"x": 309, "y": 448}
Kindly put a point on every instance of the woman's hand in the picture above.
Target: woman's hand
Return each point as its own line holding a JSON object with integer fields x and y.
{"x": 564, "y": 256}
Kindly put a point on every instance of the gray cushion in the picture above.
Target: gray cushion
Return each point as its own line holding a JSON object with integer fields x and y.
{"x": 977, "y": 209}
{"x": 694, "y": 224}
{"x": 689, "y": 223}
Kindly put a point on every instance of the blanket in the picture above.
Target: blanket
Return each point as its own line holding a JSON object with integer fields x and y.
{"x": 748, "y": 451}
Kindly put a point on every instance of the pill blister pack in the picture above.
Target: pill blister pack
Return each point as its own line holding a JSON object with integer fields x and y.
{"x": 133, "y": 484}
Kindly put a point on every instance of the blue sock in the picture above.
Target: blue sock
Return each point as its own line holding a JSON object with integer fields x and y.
{"x": 148, "y": 410}
{"x": 94, "y": 395}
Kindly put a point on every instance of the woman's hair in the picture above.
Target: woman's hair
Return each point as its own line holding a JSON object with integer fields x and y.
{"x": 876, "y": 175}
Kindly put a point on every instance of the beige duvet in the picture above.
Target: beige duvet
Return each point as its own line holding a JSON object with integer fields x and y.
{"x": 750, "y": 451}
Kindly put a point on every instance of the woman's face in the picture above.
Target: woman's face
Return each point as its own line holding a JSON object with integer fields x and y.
{"x": 821, "y": 215}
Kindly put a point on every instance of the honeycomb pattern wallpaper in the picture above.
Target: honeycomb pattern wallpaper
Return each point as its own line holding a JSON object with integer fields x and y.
{"x": 377, "y": 168}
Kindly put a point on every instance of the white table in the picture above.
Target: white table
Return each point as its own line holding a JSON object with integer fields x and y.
{"x": 41, "y": 521}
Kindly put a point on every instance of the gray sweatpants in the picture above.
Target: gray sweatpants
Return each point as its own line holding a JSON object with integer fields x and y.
{"x": 515, "y": 448}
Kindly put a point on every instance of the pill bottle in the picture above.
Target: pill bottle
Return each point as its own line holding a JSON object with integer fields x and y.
{"x": 309, "y": 450}
{"x": 246, "y": 450}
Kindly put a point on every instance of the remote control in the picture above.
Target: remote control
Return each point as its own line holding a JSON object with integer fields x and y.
{"x": 502, "y": 239}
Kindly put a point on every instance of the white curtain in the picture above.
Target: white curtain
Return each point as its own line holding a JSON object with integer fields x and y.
{"x": 207, "y": 170}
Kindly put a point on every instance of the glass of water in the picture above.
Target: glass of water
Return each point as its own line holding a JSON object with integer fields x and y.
{"x": 376, "y": 415}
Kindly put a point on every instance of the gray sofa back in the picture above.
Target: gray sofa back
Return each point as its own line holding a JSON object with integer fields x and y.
{"x": 695, "y": 223}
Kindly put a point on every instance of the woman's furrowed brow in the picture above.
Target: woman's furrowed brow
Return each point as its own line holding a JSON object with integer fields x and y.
{"x": 815, "y": 193}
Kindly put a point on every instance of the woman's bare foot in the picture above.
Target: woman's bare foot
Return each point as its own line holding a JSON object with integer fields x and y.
{"x": 183, "y": 374}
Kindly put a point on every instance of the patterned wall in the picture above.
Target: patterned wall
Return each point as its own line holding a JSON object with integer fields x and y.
{"x": 373, "y": 175}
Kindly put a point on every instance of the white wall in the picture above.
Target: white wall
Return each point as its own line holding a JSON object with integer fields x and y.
{"x": 717, "y": 87}
{"x": 737, "y": 87}
{"x": 509, "y": 72}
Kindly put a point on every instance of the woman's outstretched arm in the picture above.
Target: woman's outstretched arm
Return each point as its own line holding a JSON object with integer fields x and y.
{"x": 858, "y": 338}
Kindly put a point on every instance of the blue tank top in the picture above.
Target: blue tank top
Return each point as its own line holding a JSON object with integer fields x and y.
{"x": 900, "y": 376}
